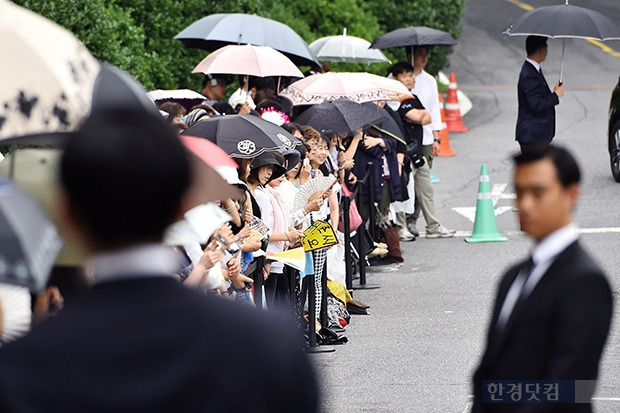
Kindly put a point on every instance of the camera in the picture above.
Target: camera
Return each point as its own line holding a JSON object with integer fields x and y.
{"x": 230, "y": 248}
{"x": 417, "y": 160}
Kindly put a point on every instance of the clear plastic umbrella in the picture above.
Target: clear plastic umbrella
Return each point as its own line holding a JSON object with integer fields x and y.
{"x": 349, "y": 49}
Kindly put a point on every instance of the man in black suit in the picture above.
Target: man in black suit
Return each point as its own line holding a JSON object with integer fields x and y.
{"x": 139, "y": 341}
{"x": 552, "y": 314}
{"x": 536, "y": 117}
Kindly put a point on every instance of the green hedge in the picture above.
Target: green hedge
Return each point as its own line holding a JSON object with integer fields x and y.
{"x": 137, "y": 35}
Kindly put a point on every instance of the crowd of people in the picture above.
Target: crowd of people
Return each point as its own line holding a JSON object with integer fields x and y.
{"x": 263, "y": 219}
{"x": 269, "y": 182}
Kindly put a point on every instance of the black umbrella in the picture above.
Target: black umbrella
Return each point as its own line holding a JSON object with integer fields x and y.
{"x": 29, "y": 241}
{"x": 564, "y": 22}
{"x": 243, "y": 136}
{"x": 218, "y": 30}
{"x": 337, "y": 116}
{"x": 387, "y": 126}
{"x": 413, "y": 36}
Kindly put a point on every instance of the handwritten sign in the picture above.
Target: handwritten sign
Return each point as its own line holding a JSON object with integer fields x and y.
{"x": 319, "y": 235}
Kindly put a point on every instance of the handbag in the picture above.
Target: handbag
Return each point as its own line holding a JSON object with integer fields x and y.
{"x": 355, "y": 219}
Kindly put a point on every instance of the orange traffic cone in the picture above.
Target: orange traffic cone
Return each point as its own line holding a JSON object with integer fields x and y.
{"x": 444, "y": 146}
{"x": 453, "y": 111}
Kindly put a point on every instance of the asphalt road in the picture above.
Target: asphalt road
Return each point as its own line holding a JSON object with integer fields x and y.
{"x": 416, "y": 350}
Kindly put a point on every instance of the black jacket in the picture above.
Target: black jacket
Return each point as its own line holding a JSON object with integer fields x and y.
{"x": 557, "y": 333}
{"x": 536, "y": 117}
{"x": 153, "y": 345}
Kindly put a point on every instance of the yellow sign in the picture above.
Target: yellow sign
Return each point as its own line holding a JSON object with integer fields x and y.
{"x": 295, "y": 258}
{"x": 319, "y": 235}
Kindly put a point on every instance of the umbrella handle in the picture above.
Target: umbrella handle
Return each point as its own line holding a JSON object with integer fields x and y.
{"x": 562, "y": 64}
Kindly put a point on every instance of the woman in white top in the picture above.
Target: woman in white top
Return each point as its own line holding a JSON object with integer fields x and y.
{"x": 273, "y": 216}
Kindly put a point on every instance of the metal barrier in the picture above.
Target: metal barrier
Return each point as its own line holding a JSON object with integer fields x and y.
{"x": 346, "y": 205}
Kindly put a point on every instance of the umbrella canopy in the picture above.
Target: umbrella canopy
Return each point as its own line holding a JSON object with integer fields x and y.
{"x": 218, "y": 30}
{"x": 112, "y": 88}
{"x": 47, "y": 78}
{"x": 392, "y": 88}
{"x": 261, "y": 61}
{"x": 174, "y": 94}
{"x": 29, "y": 241}
{"x": 185, "y": 97}
{"x": 358, "y": 87}
{"x": 387, "y": 126}
{"x": 210, "y": 153}
{"x": 338, "y": 116}
{"x": 563, "y": 22}
{"x": 116, "y": 88}
{"x": 243, "y": 136}
{"x": 413, "y": 36}
{"x": 345, "y": 48}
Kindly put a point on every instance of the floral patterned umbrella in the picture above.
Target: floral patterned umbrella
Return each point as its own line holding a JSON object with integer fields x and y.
{"x": 47, "y": 75}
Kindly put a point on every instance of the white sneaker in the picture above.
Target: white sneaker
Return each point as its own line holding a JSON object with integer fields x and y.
{"x": 405, "y": 235}
{"x": 441, "y": 233}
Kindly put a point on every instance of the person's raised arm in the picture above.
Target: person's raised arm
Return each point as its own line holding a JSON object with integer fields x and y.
{"x": 355, "y": 141}
{"x": 418, "y": 116}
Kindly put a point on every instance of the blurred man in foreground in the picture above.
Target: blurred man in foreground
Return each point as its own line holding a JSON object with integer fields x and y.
{"x": 552, "y": 312}
{"x": 140, "y": 341}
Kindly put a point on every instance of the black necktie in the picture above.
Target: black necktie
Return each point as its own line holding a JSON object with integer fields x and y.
{"x": 527, "y": 266}
{"x": 514, "y": 296}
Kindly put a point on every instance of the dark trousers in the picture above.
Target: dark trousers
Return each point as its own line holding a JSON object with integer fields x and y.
{"x": 526, "y": 147}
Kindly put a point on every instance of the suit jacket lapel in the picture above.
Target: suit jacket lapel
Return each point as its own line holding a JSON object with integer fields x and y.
{"x": 540, "y": 75}
{"x": 495, "y": 337}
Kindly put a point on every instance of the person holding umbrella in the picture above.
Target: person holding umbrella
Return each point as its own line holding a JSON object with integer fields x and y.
{"x": 214, "y": 88}
{"x": 425, "y": 88}
{"x": 536, "y": 116}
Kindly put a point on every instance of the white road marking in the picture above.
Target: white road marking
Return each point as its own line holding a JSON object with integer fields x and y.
{"x": 497, "y": 193}
{"x": 470, "y": 212}
{"x": 609, "y": 230}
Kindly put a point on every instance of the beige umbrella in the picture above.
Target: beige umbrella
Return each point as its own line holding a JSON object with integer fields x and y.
{"x": 360, "y": 87}
{"x": 47, "y": 75}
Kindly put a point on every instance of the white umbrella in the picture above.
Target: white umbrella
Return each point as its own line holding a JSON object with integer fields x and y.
{"x": 47, "y": 75}
{"x": 345, "y": 48}
{"x": 174, "y": 94}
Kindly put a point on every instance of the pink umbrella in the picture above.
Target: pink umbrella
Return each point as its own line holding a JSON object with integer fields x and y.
{"x": 247, "y": 59}
{"x": 210, "y": 153}
{"x": 215, "y": 158}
